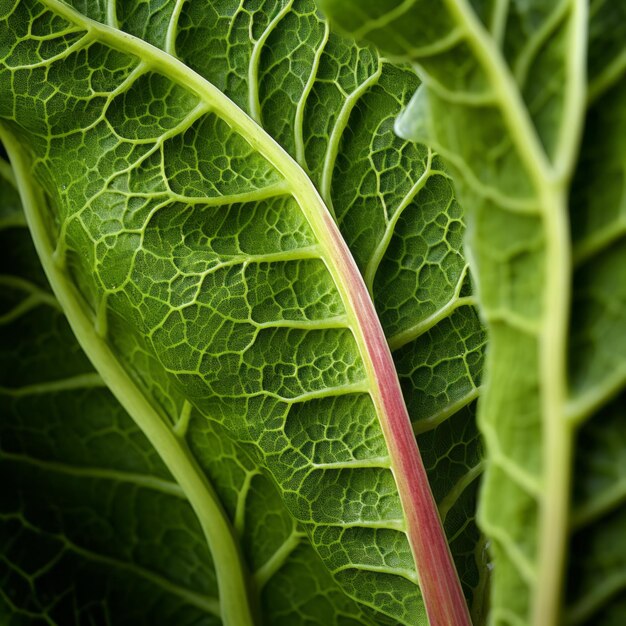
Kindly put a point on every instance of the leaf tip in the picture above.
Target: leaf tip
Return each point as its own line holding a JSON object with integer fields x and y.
{"x": 414, "y": 122}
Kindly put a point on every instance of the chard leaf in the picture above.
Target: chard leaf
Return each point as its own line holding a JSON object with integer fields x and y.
{"x": 92, "y": 507}
{"x": 526, "y": 102}
{"x": 393, "y": 202}
{"x": 203, "y": 278}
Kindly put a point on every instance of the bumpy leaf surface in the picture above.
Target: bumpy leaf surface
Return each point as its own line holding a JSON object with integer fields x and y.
{"x": 395, "y": 207}
{"x": 91, "y": 507}
{"x": 510, "y": 90}
{"x": 182, "y": 229}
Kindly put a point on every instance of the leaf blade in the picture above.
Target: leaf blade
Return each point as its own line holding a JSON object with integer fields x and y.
{"x": 389, "y": 396}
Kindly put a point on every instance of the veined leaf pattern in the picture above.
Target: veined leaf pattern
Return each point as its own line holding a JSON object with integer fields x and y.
{"x": 91, "y": 506}
{"x": 526, "y": 101}
{"x": 186, "y": 179}
{"x": 391, "y": 198}
{"x": 92, "y": 527}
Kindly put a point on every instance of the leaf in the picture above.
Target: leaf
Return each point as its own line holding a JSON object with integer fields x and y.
{"x": 402, "y": 223}
{"x": 178, "y": 254}
{"x": 78, "y": 525}
{"x": 506, "y": 100}
{"x": 92, "y": 507}
{"x": 89, "y": 505}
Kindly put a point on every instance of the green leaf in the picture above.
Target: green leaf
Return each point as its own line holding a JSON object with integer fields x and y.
{"x": 215, "y": 283}
{"x": 508, "y": 90}
{"x": 91, "y": 505}
{"x": 395, "y": 207}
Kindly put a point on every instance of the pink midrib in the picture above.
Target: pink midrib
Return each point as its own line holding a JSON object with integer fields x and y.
{"x": 441, "y": 589}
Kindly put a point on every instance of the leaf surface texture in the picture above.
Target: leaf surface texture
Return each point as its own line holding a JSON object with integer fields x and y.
{"x": 197, "y": 266}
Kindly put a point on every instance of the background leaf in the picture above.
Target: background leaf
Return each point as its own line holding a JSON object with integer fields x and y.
{"x": 93, "y": 529}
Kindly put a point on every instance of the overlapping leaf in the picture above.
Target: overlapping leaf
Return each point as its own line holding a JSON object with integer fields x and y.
{"x": 179, "y": 228}
{"x": 506, "y": 101}
{"x": 92, "y": 527}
